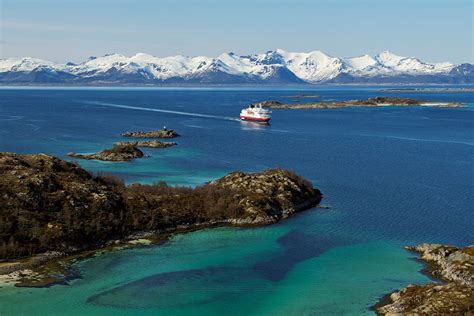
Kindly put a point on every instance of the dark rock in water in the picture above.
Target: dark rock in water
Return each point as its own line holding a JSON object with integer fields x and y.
{"x": 269, "y": 104}
{"x": 147, "y": 143}
{"x": 124, "y": 152}
{"x": 48, "y": 204}
{"x": 456, "y": 297}
{"x": 162, "y": 133}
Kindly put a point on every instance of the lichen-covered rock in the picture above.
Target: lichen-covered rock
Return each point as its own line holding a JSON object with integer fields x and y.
{"x": 162, "y": 133}
{"x": 125, "y": 152}
{"x": 456, "y": 297}
{"x": 278, "y": 192}
{"x": 448, "y": 262}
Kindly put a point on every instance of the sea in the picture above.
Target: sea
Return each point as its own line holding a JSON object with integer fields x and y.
{"x": 391, "y": 176}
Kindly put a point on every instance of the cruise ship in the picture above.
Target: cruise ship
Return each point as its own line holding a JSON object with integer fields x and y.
{"x": 256, "y": 113}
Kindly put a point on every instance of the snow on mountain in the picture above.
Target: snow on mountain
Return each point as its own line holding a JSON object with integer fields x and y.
{"x": 314, "y": 66}
{"x": 409, "y": 64}
{"x": 241, "y": 64}
{"x": 276, "y": 66}
{"x": 361, "y": 63}
{"x": 27, "y": 64}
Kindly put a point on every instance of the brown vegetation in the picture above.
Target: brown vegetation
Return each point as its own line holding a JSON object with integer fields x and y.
{"x": 48, "y": 204}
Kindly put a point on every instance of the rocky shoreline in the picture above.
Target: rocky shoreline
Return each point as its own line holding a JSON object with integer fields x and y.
{"x": 455, "y": 296}
{"x": 370, "y": 102}
{"x": 119, "y": 152}
{"x": 65, "y": 211}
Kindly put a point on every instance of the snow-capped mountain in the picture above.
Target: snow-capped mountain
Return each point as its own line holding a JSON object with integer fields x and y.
{"x": 272, "y": 67}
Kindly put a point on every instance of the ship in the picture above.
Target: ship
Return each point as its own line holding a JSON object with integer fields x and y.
{"x": 256, "y": 113}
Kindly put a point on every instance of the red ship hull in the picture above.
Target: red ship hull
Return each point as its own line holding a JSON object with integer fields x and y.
{"x": 255, "y": 119}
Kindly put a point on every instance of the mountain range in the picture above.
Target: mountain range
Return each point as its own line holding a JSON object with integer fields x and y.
{"x": 272, "y": 67}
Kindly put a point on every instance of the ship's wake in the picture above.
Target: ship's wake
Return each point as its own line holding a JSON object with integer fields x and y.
{"x": 139, "y": 108}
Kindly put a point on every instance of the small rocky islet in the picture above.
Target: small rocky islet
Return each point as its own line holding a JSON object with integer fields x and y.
{"x": 370, "y": 102}
{"x": 52, "y": 206}
{"x": 147, "y": 143}
{"x": 455, "y": 296}
{"x": 162, "y": 133}
{"x": 124, "y": 152}
{"x": 128, "y": 150}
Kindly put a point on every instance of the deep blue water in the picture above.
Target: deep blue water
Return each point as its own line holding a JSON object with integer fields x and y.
{"x": 392, "y": 176}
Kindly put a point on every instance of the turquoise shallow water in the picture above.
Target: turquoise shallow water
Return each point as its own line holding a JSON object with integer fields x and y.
{"x": 392, "y": 176}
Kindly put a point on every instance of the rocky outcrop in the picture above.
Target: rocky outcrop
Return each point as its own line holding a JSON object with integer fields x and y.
{"x": 453, "y": 265}
{"x": 48, "y": 204}
{"x": 121, "y": 152}
{"x": 270, "y": 104}
{"x": 162, "y": 133}
{"x": 147, "y": 143}
{"x": 431, "y": 299}
{"x": 448, "y": 262}
{"x": 376, "y": 101}
{"x": 279, "y": 193}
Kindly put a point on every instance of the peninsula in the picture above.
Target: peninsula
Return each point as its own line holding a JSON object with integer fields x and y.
{"x": 455, "y": 267}
{"x": 372, "y": 102}
{"x": 51, "y": 207}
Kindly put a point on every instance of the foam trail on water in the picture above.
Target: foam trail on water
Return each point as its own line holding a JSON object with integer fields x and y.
{"x": 122, "y": 106}
{"x": 417, "y": 139}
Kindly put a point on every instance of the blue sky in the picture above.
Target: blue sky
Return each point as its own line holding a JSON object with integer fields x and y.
{"x": 72, "y": 30}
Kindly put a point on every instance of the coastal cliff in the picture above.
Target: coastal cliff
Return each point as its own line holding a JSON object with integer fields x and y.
{"x": 453, "y": 265}
{"x": 48, "y": 204}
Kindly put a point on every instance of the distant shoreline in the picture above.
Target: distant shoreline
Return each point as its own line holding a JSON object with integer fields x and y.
{"x": 429, "y": 90}
{"x": 296, "y": 85}
{"x": 370, "y": 102}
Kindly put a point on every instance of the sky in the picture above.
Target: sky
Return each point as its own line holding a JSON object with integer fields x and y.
{"x": 73, "y": 30}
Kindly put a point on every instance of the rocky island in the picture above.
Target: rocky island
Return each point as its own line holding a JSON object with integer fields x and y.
{"x": 454, "y": 266}
{"x": 119, "y": 152}
{"x": 162, "y": 133}
{"x": 51, "y": 206}
{"x": 147, "y": 143}
{"x": 373, "y": 102}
